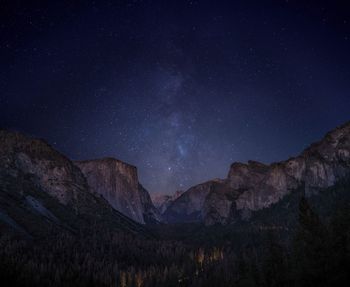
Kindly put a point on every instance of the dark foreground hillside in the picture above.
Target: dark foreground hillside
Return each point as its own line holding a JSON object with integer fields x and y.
{"x": 298, "y": 242}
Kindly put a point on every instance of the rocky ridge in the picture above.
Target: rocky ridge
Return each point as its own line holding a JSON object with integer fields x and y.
{"x": 162, "y": 201}
{"x": 253, "y": 186}
{"x": 41, "y": 189}
{"x": 47, "y": 168}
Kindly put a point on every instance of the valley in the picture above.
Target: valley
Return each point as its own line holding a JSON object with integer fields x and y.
{"x": 93, "y": 224}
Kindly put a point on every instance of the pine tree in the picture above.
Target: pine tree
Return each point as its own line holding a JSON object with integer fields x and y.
{"x": 311, "y": 249}
{"x": 274, "y": 267}
{"x": 340, "y": 248}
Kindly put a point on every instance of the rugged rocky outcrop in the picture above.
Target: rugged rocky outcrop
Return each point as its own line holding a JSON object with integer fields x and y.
{"x": 42, "y": 190}
{"x": 49, "y": 169}
{"x": 195, "y": 203}
{"x": 150, "y": 212}
{"x": 253, "y": 186}
{"x": 162, "y": 201}
{"x": 118, "y": 183}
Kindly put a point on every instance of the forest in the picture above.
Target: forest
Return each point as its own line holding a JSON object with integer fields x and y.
{"x": 315, "y": 252}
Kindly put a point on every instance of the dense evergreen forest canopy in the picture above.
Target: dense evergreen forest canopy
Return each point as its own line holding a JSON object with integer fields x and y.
{"x": 302, "y": 243}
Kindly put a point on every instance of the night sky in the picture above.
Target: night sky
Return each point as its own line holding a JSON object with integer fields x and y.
{"x": 181, "y": 89}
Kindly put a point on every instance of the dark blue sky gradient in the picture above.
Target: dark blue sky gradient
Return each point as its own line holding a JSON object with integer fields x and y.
{"x": 181, "y": 89}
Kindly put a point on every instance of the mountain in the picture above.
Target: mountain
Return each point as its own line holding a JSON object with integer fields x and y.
{"x": 254, "y": 186}
{"x": 162, "y": 201}
{"x": 70, "y": 235}
{"x": 192, "y": 205}
{"x": 118, "y": 183}
{"x": 42, "y": 190}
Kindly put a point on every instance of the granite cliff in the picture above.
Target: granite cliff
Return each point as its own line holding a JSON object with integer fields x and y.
{"x": 41, "y": 190}
{"x": 118, "y": 183}
{"x": 34, "y": 176}
{"x": 47, "y": 168}
{"x": 162, "y": 201}
{"x": 253, "y": 186}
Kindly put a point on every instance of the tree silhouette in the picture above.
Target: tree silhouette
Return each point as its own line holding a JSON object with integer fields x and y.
{"x": 311, "y": 248}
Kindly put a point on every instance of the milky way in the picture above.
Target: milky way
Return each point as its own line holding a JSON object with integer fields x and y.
{"x": 180, "y": 89}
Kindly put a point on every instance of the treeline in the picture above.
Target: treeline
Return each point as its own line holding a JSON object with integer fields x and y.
{"x": 318, "y": 254}
{"x": 98, "y": 257}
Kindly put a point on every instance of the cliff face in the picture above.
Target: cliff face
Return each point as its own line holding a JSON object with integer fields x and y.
{"x": 163, "y": 201}
{"x": 118, "y": 183}
{"x": 41, "y": 190}
{"x": 150, "y": 212}
{"x": 49, "y": 169}
{"x": 253, "y": 186}
{"x": 196, "y": 204}
{"x": 318, "y": 167}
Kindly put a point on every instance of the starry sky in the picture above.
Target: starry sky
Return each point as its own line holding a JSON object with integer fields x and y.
{"x": 181, "y": 89}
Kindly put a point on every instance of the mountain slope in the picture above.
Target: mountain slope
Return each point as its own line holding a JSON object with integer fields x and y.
{"x": 41, "y": 190}
{"x": 162, "y": 201}
{"x": 194, "y": 204}
{"x": 254, "y": 186}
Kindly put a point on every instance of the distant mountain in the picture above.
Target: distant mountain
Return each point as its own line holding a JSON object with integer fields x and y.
{"x": 118, "y": 183}
{"x": 162, "y": 201}
{"x": 254, "y": 186}
{"x": 41, "y": 190}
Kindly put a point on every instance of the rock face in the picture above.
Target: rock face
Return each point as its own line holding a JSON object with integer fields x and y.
{"x": 42, "y": 190}
{"x": 162, "y": 201}
{"x": 253, "y": 186}
{"x": 150, "y": 212}
{"x": 118, "y": 183}
{"x": 49, "y": 169}
{"x": 194, "y": 204}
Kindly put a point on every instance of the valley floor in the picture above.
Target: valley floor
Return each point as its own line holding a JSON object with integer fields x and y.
{"x": 315, "y": 252}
